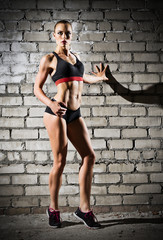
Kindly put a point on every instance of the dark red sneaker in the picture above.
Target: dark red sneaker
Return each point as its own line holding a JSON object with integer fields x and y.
{"x": 54, "y": 218}
{"x": 88, "y": 219}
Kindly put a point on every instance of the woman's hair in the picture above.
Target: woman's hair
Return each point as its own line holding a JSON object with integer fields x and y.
{"x": 62, "y": 21}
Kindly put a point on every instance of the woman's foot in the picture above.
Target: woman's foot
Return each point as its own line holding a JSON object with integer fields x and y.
{"x": 54, "y": 217}
{"x": 88, "y": 218}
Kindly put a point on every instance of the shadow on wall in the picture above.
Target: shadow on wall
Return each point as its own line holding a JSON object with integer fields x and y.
{"x": 152, "y": 95}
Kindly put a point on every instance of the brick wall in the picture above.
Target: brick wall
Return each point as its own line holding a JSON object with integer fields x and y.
{"x": 124, "y": 117}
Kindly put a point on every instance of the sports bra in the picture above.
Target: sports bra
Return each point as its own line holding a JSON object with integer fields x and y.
{"x": 66, "y": 72}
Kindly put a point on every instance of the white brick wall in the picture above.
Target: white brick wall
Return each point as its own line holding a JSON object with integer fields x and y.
{"x": 125, "y": 126}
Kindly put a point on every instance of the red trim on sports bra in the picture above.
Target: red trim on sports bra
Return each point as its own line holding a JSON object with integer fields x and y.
{"x": 68, "y": 79}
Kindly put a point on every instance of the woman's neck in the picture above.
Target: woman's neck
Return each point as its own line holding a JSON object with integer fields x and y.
{"x": 64, "y": 51}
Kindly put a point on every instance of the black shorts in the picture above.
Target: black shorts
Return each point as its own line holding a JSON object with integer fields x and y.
{"x": 70, "y": 115}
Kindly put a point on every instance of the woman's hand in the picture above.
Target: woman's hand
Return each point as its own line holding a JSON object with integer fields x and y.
{"x": 101, "y": 72}
{"x": 58, "y": 108}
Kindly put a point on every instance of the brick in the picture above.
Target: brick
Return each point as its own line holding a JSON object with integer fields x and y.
{"x": 24, "y": 25}
{"x": 73, "y": 201}
{"x": 134, "y": 4}
{"x": 12, "y": 89}
{"x": 106, "y": 178}
{"x": 123, "y": 77}
{"x": 81, "y": 47}
{"x": 73, "y": 4}
{"x": 91, "y": 15}
{"x": 38, "y": 145}
{"x": 11, "y": 122}
{"x": 121, "y": 121}
{"x": 149, "y": 154}
{"x": 4, "y": 180}
{"x": 32, "y": 168}
{"x": 156, "y": 177}
{"x": 99, "y": 168}
{"x": 148, "y": 188}
{"x": 98, "y": 144}
{"x": 27, "y": 156}
{"x": 43, "y": 134}
{"x": 4, "y": 69}
{"x": 24, "y": 179}
{"x": 118, "y": 57}
{"x": 132, "y": 67}
{"x": 11, "y": 16}
{"x": 120, "y": 155}
{"x": 155, "y": 67}
{"x": 98, "y": 190}
{"x": 154, "y": 46}
{"x": 14, "y": 112}
{"x": 20, "y": 68}
{"x": 146, "y": 57}
{"x": 69, "y": 190}
{"x": 134, "y": 133}
{"x": 10, "y": 146}
{"x": 9, "y": 101}
{"x": 91, "y": 36}
{"x": 23, "y": 47}
{"x": 11, "y": 36}
{"x": 95, "y": 122}
{"x": 41, "y": 156}
{"x": 26, "y": 89}
{"x": 50, "y": 4}
{"x": 36, "y": 111}
{"x": 2, "y": 156}
{"x": 116, "y": 100}
{"x": 15, "y": 57}
{"x": 147, "y": 144}
{"x": 107, "y": 133}
{"x": 148, "y": 121}
{"x": 131, "y": 200}
{"x": 13, "y": 168}
{"x": 140, "y": 36}
{"x": 4, "y": 134}
{"x": 94, "y": 89}
{"x": 25, "y": 202}
{"x": 132, "y": 46}
{"x": 65, "y": 15}
{"x": 18, "y": 4}
{"x": 108, "y": 200}
{"x": 36, "y": 36}
{"x": 104, "y": 26}
{"x": 37, "y": 190}
{"x": 143, "y": 15}
{"x": 24, "y": 134}
{"x": 32, "y": 101}
{"x": 149, "y": 167}
{"x": 103, "y": 46}
{"x": 34, "y": 122}
{"x": 120, "y": 144}
{"x": 105, "y": 111}
{"x": 5, "y": 202}
{"x": 12, "y": 79}
{"x": 121, "y": 189}
{"x": 71, "y": 168}
{"x": 4, "y": 47}
{"x": 134, "y": 111}
{"x": 122, "y": 167}
{"x": 155, "y": 133}
{"x": 12, "y": 156}
{"x": 2, "y": 89}
{"x": 135, "y": 178}
{"x": 146, "y": 78}
{"x": 118, "y": 36}
{"x": 117, "y": 15}
{"x": 157, "y": 199}
{"x": 11, "y": 190}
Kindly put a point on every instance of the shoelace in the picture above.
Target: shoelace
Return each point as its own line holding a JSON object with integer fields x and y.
{"x": 56, "y": 215}
{"x": 90, "y": 215}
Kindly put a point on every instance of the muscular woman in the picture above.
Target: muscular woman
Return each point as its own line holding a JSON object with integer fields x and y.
{"x": 63, "y": 120}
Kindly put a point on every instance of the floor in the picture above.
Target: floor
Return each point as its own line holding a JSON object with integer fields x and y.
{"x": 135, "y": 226}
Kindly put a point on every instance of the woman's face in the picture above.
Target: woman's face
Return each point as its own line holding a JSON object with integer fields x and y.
{"x": 63, "y": 35}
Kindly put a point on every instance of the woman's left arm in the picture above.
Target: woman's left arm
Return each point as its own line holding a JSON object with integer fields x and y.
{"x": 99, "y": 76}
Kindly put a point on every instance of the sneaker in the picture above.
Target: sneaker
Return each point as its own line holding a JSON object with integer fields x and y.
{"x": 54, "y": 217}
{"x": 88, "y": 218}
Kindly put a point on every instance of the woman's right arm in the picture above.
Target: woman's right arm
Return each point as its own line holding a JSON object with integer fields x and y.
{"x": 39, "y": 82}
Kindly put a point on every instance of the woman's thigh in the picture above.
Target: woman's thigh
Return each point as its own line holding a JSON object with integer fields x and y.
{"x": 57, "y": 132}
{"x": 79, "y": 136}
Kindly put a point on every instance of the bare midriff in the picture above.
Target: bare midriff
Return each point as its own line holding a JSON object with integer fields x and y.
{"x": 70, "y": 94}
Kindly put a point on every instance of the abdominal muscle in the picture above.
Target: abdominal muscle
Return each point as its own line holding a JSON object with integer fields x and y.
{"x": 70, "y": 94}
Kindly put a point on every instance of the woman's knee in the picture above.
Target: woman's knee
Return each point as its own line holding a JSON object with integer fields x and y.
{"x": 59, "y": 163}
{"x": 90, "y": 159}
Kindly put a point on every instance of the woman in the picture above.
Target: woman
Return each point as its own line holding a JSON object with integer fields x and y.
{"x": 63, "y": 120}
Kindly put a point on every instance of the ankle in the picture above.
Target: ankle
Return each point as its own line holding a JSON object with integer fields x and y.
{"x": 53, "y": 208}
{"x": 84, "y": 209}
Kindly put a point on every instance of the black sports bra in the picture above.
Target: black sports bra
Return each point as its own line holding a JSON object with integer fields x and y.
{"x": 66, "y": 72}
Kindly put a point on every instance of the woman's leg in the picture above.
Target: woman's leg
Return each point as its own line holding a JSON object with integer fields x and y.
{"x": 79, "y": 136}
{"x": 57, "y": 131}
